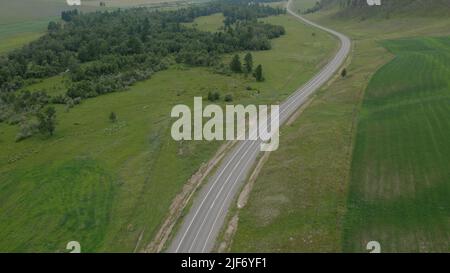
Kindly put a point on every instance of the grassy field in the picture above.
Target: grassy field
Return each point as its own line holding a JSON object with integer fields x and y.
{"x": 107, "y": 184}
{"x": 301, "y": 6}
{"x": 390, "y": 9}
{"x": 300, "y": 200}
{"x": 400, "y": 180}
{"x": 15, "y": 34}
{"x": 100, "y": 183}
{"x": 53, "y": 86}
{"x": 27, "y": 10}
{"x": 210, "y": 23}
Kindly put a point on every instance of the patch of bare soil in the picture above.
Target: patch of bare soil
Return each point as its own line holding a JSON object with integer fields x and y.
{"x": 229, "y": 234}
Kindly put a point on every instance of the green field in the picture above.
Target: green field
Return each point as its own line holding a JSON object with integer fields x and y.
{"x": 98, "y": 182}
{"x": 302, "y": 5}
{"x": 389, "y": 9}
{"x": 211, "y": 23}
{"x": 300, "y": 199}
{"x": 16, "y": 34}
{"x": 108, "y": 184}
{"x": 27, "y": 10}
{"x": 400, "y": 180}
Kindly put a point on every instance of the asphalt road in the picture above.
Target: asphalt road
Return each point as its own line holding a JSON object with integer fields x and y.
{"x": 203, "y": 223}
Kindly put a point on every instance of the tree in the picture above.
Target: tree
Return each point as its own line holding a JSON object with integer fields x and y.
{"x": 213, "y": 96}
{"x": 235, "y": 64}
{"x": 259, "y": 74}
{"x": 248, "y": 65}
{"x": 344, "y": 73}
{"x": 228, "y": 98}
{"x": 69, "y": 14}
{"x": 53, "y": 26}
{"x": 135, "y": 46}
{"x": 113, "y": 117}
{"x": 47, "y": 121}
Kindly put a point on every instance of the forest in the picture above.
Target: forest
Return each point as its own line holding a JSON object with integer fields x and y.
{"x": 103, "y": 52}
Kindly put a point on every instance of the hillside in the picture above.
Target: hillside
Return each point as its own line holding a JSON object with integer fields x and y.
{"x": 360, "y": 8}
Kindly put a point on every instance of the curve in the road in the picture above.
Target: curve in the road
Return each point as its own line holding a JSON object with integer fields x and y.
{"x": 204, "y": 220}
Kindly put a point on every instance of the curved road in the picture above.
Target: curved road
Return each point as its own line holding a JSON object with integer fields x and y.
{"x": 203, "y": 222}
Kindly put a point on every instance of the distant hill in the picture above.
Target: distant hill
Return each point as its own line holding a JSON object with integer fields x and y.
{"x": 360, "y": 8}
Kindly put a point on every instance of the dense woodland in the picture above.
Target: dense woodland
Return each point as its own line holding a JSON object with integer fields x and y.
{"x": 104, "y": 52}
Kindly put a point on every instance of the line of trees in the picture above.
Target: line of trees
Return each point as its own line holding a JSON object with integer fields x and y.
{"x": 237, "y": 67}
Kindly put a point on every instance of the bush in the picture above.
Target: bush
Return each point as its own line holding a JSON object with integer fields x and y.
{"x": 258, "y": 74}
{"x": 27, "y": 129}
{"x": 213, "y": 96}
{"x": 228, "y": 98}
{"x": 113, "y": 117}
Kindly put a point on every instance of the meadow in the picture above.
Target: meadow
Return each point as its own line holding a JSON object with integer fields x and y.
{"x": 27, "y": 10}
{"x": 400, "y": 177}
{"x": 304, "y": 198}
{"x": 15, "y": 34}
{"x": 301, "y": 6}
{"x": 109, "y": 185}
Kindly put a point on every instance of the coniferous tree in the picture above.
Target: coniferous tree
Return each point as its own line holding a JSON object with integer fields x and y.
{"x": 259, "y": 74}
{"x": 248, "y": 65}
{"x": 235, "y": 64}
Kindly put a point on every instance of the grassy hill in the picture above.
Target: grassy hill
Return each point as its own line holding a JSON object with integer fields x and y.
{"x": 400, "y": 180}
{"x": 388, "y": 8}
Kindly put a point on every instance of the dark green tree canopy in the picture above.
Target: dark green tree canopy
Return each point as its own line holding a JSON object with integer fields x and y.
{"x": 248, "y": 65}
{"x": 235, "y": 64}
{"x": 259, "y": 74}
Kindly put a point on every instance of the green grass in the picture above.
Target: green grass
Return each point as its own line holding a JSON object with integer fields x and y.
{"x": 299, "y": 201}
{"x": 400, "y": 180}
{"x": 211, "y": 23}
{"x": 16, "y": 41}
{"x": 28, "y": 10}
{"x": 392, "y": 9}
{"x": 16, "y": 34}
{"x": 301, "y": 6}
{"x": 127, "y": 173}
{"x": 71, "y": 200}
{"x": 19, "y": 11}
{"x": 144, "y": 167}
{"x": 53, "y": 86}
